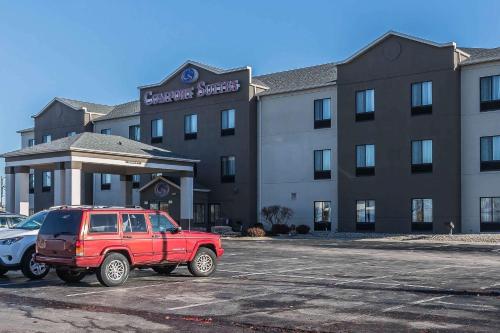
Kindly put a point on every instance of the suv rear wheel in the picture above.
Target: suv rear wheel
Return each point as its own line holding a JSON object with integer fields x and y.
{"x": 32, "y": 269}
{"x": 114, "y": 270}
{"x": 70, "y": 275}
{"x": 3, "y": 271}
{"x": 164, "y": 269}
{"x": 204, "y": 262}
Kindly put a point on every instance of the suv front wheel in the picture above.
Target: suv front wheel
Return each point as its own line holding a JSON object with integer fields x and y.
{"x": 114, "y": 270}
{"x": 204, "y": 262}
{"x": 32, "y": 269}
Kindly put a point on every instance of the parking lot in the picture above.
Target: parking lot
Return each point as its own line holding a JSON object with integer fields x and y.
{"x": 279, "y": 286}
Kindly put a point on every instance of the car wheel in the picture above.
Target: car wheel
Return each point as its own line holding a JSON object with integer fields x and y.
{"x": 164, "y": 269}
{"x": 32, "y": 269}
{"x": 114, "y": 270}
{"x": 3, "y": 271}
{"x": 70, "y": 275}
{"x": 204, "y": 262}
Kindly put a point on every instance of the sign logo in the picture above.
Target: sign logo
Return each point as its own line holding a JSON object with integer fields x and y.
{"x": 162, "y": 189}
{"x": 189, "y": 75}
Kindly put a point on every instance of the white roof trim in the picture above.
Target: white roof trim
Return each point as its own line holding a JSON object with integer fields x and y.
{"x": 26, "y": 130}
{"x": 398, "y": 34}
{"x": 152, "y": 181}
{"x": 190, "y": 62}
{"x": 133, "y": 155}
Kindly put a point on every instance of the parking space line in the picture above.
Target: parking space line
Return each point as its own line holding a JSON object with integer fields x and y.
{"x": 422, "y": 301}
{"x": 258, "y": 262}
{"x": 480, "y": 306}
{"x": 121, "y": 289}
{"x": 277, "y": 272}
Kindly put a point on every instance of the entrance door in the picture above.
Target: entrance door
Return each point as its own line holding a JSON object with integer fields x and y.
{"x": 136, "y": 237}
{"x": 169, "y": 244}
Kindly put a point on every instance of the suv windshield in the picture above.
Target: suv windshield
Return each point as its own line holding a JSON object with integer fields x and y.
{"x": 62, "y": 222}
{"x": 33, "y": 222}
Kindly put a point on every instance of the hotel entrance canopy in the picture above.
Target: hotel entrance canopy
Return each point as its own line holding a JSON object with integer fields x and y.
{"x": 92, "y": 153}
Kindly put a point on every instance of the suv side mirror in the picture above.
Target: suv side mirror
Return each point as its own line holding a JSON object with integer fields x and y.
{"x": 177, "y": 230}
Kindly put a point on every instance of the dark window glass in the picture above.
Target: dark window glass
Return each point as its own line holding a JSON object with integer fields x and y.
{"x": 365, "y": 211}
{"x": 106, "y": 131}
{"x": 322, "y": 215}
{"x": 421, "y": 211}
{"x": 31, "y": 142}
{"x": 160, "y": 223}
{"x": 365, "y": 156}
{"x": 215, "y": 212}
{"x": 134, "y": 223}
{"x": 106, "y": 223}
{"x": 365, "y": 101}
{"x": 490, "y": 210}
{"x": 157, "y": 128}
{"x": 134, "y": 132}
{"x": 72, "y": 133}
{"x": 199, "y": 213}
{"x": 31, "y": 183}
{"x": 47, "y": 138}
{"x": 421, "y": 94}
{"x": 228, "y": 119}
{"x": 228, "y": 168}
{"x": 64, "y": 222}
{"x": 105, "y": 181}
{"x": 46, "y": 181}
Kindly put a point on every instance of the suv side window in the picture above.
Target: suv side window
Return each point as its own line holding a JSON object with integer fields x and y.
{"x": 3, "y": 222}
{"x": 160, "y": 223}
{"x": 107, "y": 223}
{"x": 134, "y": 223}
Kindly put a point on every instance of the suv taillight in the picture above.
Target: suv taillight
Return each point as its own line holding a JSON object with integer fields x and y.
{"x": 79, "y": 248}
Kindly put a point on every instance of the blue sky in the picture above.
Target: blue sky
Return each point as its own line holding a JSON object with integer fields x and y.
{"x": 101, "y": 51}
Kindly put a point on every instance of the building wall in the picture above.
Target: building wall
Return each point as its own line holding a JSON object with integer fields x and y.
{"x": 118, "y": 126}
{"x": 25, "y": 137}
{"x": 287, "y": 141}
{"x": 390, "y": 67}
{"x": 238, "y": 199}
{"x": 476, "y": 124}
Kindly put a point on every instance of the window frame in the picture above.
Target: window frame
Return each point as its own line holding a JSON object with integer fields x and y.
{"x": 189, "y": 134}
{"x": 364, "y": 115}
{"x": 365, "y": 170}
{"x": 134, "y": 232}
{"x": 491, "y": 104}
{"x": 421, "y": 108}
{"x": 322, "y": 122}
{"x": 365, "y": 201}
{"x": 423, "y": 211}
{"x": 47, "y": 138}
{"x": 157, "y": 138}
{"x": 421, "y": 167}
{"x": 209, "y": 212}
{"x": 106, "y": 131}
{"x": 89, "y": 228}
{"x": 45, "y": 187}
{"x": 31, "y": 183}
{"x": 70, "y": 134}
{"x": 322, "y": 173}
{"x": 226, "y": 131}
{"x": 136, "y": 183}
{"x": 105, "y": 185}
{"x": 327, "y": 224}
{"x": 204, "y": 213}
{"x": 134, "y": 132}
{"x": 492, "y": 164}
{"x": 31, "y": 142}
{"x": 227, "y": 178}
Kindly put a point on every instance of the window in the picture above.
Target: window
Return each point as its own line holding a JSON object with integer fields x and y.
{"x": 190, "y": 127}
{"x": 72, "y": 133}
{"x": 322, "y": 164}
{"x": 365, "y": 105}
{"x": 106, "y": 131}
{"x": 134, "y": 223}
{"x": 161, "y": 224}
{"x": 105, "y": 181}
{"x": 365, "y": 211}
{"x": 134, "y": 132}
{"x": 136, "y": 181}
{"x": 490, "y": 93}
{"x": 199, "y": 213}
{"x": 421, "y": 211}
{"x": 228, "y": 122}
{"x": 490, "y": 210}
{"x": 421, "y": 98}
{"x": 322, "y": 113}
{"x": 103, "y": 223}
{"x": 47, "y": 138}
{"x": 31, "y": 142}
{"x": 365, "y": 160}
{"x": 322, "y": 216}
{"x": 421, "y": 156}
{"x": 46, "y": 181}
{"x": 32, "y": 183}
{"x": 228, "y": 169}
{"x": 158, "y": 174}
{"x": 490, "y": 153}
{"x": 156, "y": 130}
{"x": 214, "y": 211}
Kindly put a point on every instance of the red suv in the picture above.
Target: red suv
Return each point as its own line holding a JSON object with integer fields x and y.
{"x": 110, "y": 241}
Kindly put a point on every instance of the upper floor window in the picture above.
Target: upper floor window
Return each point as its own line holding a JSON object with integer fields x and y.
{"x": 156, "y": 130}
{"x": 134, "y": 132}
{"x": 32, "y": 183}
{"x": 490, "y": 153}
{"x": 322, "y": 164}
{"x": 31, "y": 142}
{"x": 322, "y": 113}
{"x": 72, "y": 133}
{"x": 421, "y": 156}
{"x": 47, "y": 138}
{"x": 365, "y": 160}
{"x": 228, "y": 120}
{"x": 490, "y": 210}
{"x": 421, "y": 97}
{"x": 365, "y": 211}
{"x": 421, "y": 211}
{"x": 46, "y": 181}
{"x": 228, "y": 169}
{"x": 190, "y": 127}
{"x": 105, "y": 181}
{"x": 490, "y": 93}
{"x": 136, "y": 181}
{"x": 365, "y": 104}
{"x": 106, "y": 131}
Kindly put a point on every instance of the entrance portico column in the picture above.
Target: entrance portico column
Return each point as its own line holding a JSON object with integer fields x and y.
{"x": 9, "y": 189}
{"x": 59, "y": 185}
{"x": 126, "y": 190}
{"x": 186, "y": 198}
{"x": 73, "y": 183}
{"x": 21, "y": 191}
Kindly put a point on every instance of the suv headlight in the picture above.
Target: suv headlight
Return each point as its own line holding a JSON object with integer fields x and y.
{"x": 9, "y": 241}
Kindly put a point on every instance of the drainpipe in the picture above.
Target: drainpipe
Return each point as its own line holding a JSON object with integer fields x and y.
{"x": 259, "y": 157}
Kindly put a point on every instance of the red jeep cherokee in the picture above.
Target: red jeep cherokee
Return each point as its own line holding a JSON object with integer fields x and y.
{"x": 111, "y": 241}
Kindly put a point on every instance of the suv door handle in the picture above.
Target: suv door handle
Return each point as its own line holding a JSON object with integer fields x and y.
{"x": 127, "y": 236}
{"x": 156, "y": 236}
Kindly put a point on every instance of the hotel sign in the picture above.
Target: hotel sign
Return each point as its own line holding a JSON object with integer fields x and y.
{"x": 202, "y": 89}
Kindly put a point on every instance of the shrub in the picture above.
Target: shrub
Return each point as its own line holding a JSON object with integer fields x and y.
{"x": 276, "y": 214}
{"x": 256, "y": 232}
{"x": 302, "y": 229}
{"x": 280, "y": 229}
{"x": 258, "y": 225}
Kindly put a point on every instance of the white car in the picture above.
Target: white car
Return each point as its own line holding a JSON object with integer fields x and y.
{"x": 17, "y": 248}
